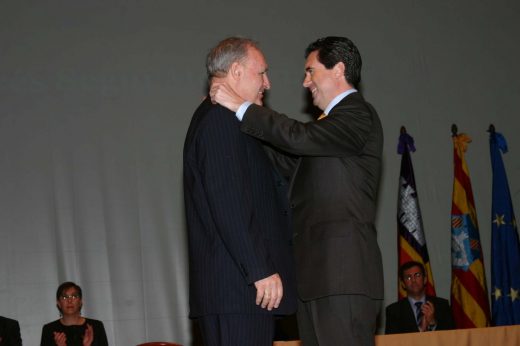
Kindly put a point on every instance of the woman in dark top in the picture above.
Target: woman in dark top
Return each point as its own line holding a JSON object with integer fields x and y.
{"x": 72, "y": 329}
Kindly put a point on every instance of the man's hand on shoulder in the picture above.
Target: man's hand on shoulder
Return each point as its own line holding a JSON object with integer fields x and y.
{"x": 269, "y": 292}
{"x": 221, "y": 93}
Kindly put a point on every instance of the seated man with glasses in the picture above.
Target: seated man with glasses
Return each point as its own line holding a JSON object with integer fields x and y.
{"x": 417, "y": 312}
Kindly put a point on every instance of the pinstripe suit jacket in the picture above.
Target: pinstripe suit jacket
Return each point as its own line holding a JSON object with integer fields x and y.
{"x": 237, "y": 217}
{"x": 333, "y": 194}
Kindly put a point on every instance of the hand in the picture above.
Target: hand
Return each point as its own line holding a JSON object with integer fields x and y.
{"x": 428, "y": 310}
{"x": 221, "y": 93}
{"x": 60, "y": 339}
{"x": 88, "y": 337}
{"x": 269, "y": 292}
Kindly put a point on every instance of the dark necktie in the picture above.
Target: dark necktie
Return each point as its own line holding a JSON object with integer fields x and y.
{"x": 419, "y": 312}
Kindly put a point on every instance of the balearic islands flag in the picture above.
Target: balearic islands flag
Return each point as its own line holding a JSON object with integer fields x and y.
{"x": 505, "y": 247}
{"x": 469, "y": 301}
{"x": 411, "y": 242}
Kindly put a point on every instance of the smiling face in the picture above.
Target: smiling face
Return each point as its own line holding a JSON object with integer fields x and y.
{"x": 252, "y": 77}
{"x": 321, "y": 82}
{"x": 70, "y": 302}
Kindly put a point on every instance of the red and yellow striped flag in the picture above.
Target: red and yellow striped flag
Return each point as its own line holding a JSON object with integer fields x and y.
{"x": 469, "y": 299}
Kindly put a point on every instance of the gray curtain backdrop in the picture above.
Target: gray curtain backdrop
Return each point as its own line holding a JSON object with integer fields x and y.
{"x": 96, "y": 98}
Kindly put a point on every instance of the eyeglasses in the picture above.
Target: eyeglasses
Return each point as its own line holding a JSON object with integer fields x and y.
{"x": 417, "y": 275}
{"x": 71, "y": 296}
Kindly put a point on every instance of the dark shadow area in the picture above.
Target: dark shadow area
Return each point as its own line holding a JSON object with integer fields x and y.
{"x": 286, "y": 328}
{"x": 196, "y": 336}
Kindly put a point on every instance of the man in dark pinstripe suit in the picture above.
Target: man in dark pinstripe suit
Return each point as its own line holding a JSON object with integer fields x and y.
{"x": 240, "y": 250}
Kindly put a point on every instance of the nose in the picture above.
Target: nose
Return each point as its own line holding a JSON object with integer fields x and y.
{"x": 267, "y": 83}
{"x": 307, "y": 80}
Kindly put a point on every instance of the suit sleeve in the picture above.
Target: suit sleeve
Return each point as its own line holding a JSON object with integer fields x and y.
{"x": 226, "y": 179}
{"x": 343, "y": 133}
{"x": 391, "y": 320}
{"x": 443, "y": 315}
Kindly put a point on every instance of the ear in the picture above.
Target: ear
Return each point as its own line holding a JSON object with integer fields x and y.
{"x": 236, "y": 70}
{"x": 339, "y": 70}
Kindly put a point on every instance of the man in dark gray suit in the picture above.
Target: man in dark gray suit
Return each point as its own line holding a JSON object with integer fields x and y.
{"x": 333, "y": 194}
{"x": 240, "y": 250}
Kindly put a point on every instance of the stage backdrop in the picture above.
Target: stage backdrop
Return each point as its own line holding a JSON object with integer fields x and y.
{"x": 96, "y": 98}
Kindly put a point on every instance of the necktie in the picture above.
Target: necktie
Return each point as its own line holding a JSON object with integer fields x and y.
{"x": 322, "y": 116}
{"x": 419, "y": 312}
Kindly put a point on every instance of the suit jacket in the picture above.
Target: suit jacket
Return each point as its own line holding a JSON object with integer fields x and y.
{"x": 333, "y": 194}
{"x": 237, "y": 217}
{"x": 9, "y": 332}
{"x": 400, "y": 317}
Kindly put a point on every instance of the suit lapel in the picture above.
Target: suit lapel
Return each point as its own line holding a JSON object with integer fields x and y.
{"x": 408, "y": 315}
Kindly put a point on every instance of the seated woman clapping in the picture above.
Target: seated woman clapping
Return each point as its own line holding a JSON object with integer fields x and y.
{"x": 72, "y": 329}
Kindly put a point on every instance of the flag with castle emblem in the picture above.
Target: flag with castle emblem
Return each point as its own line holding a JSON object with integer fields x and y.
{"x": 411, "y": 242}
{"x": 505, "y": 247}
{"x": 469, "y": 300}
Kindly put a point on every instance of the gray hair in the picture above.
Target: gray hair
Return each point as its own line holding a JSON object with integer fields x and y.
{"x": 225, "y": 53}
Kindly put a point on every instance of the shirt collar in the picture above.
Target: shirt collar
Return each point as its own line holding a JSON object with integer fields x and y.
{"x": 338, "y": 98}
{"x": 413, "y": 301}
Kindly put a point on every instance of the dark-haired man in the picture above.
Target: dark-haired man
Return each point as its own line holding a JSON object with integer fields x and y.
{"x": 333, "y": 194}
{"x": 417, "y": 312}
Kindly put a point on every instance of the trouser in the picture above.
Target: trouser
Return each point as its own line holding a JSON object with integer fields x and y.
{"x": 237, "y": 330}
{"x": 338, "y": 320}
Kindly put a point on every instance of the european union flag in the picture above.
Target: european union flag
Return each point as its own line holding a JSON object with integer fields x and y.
{"x": 505, "y": 247}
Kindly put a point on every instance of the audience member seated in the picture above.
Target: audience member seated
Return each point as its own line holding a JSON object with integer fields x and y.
{"x": 417, "y": 312}
{"x": 72, "y": 329}
{"x": 9, "y": 332}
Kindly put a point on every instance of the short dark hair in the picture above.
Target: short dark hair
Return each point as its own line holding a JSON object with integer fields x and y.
{"x": 334, "y": 49}
{"x": 410, "y": 264}
{"x": 65, "y": 286}
{"x": 225, "y": 53}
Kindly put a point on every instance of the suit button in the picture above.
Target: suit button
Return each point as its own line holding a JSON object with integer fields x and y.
{"x": 292, "y": 205}
{"x": 285, "y": 212}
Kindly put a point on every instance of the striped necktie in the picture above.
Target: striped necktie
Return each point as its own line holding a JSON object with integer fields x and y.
{"x": 418, "y": 312}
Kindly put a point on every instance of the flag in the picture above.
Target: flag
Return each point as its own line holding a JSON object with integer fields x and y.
{"x": 411, "y": 242}
{"x": 469, "y": 301}
{"x": 505, "y": 247}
